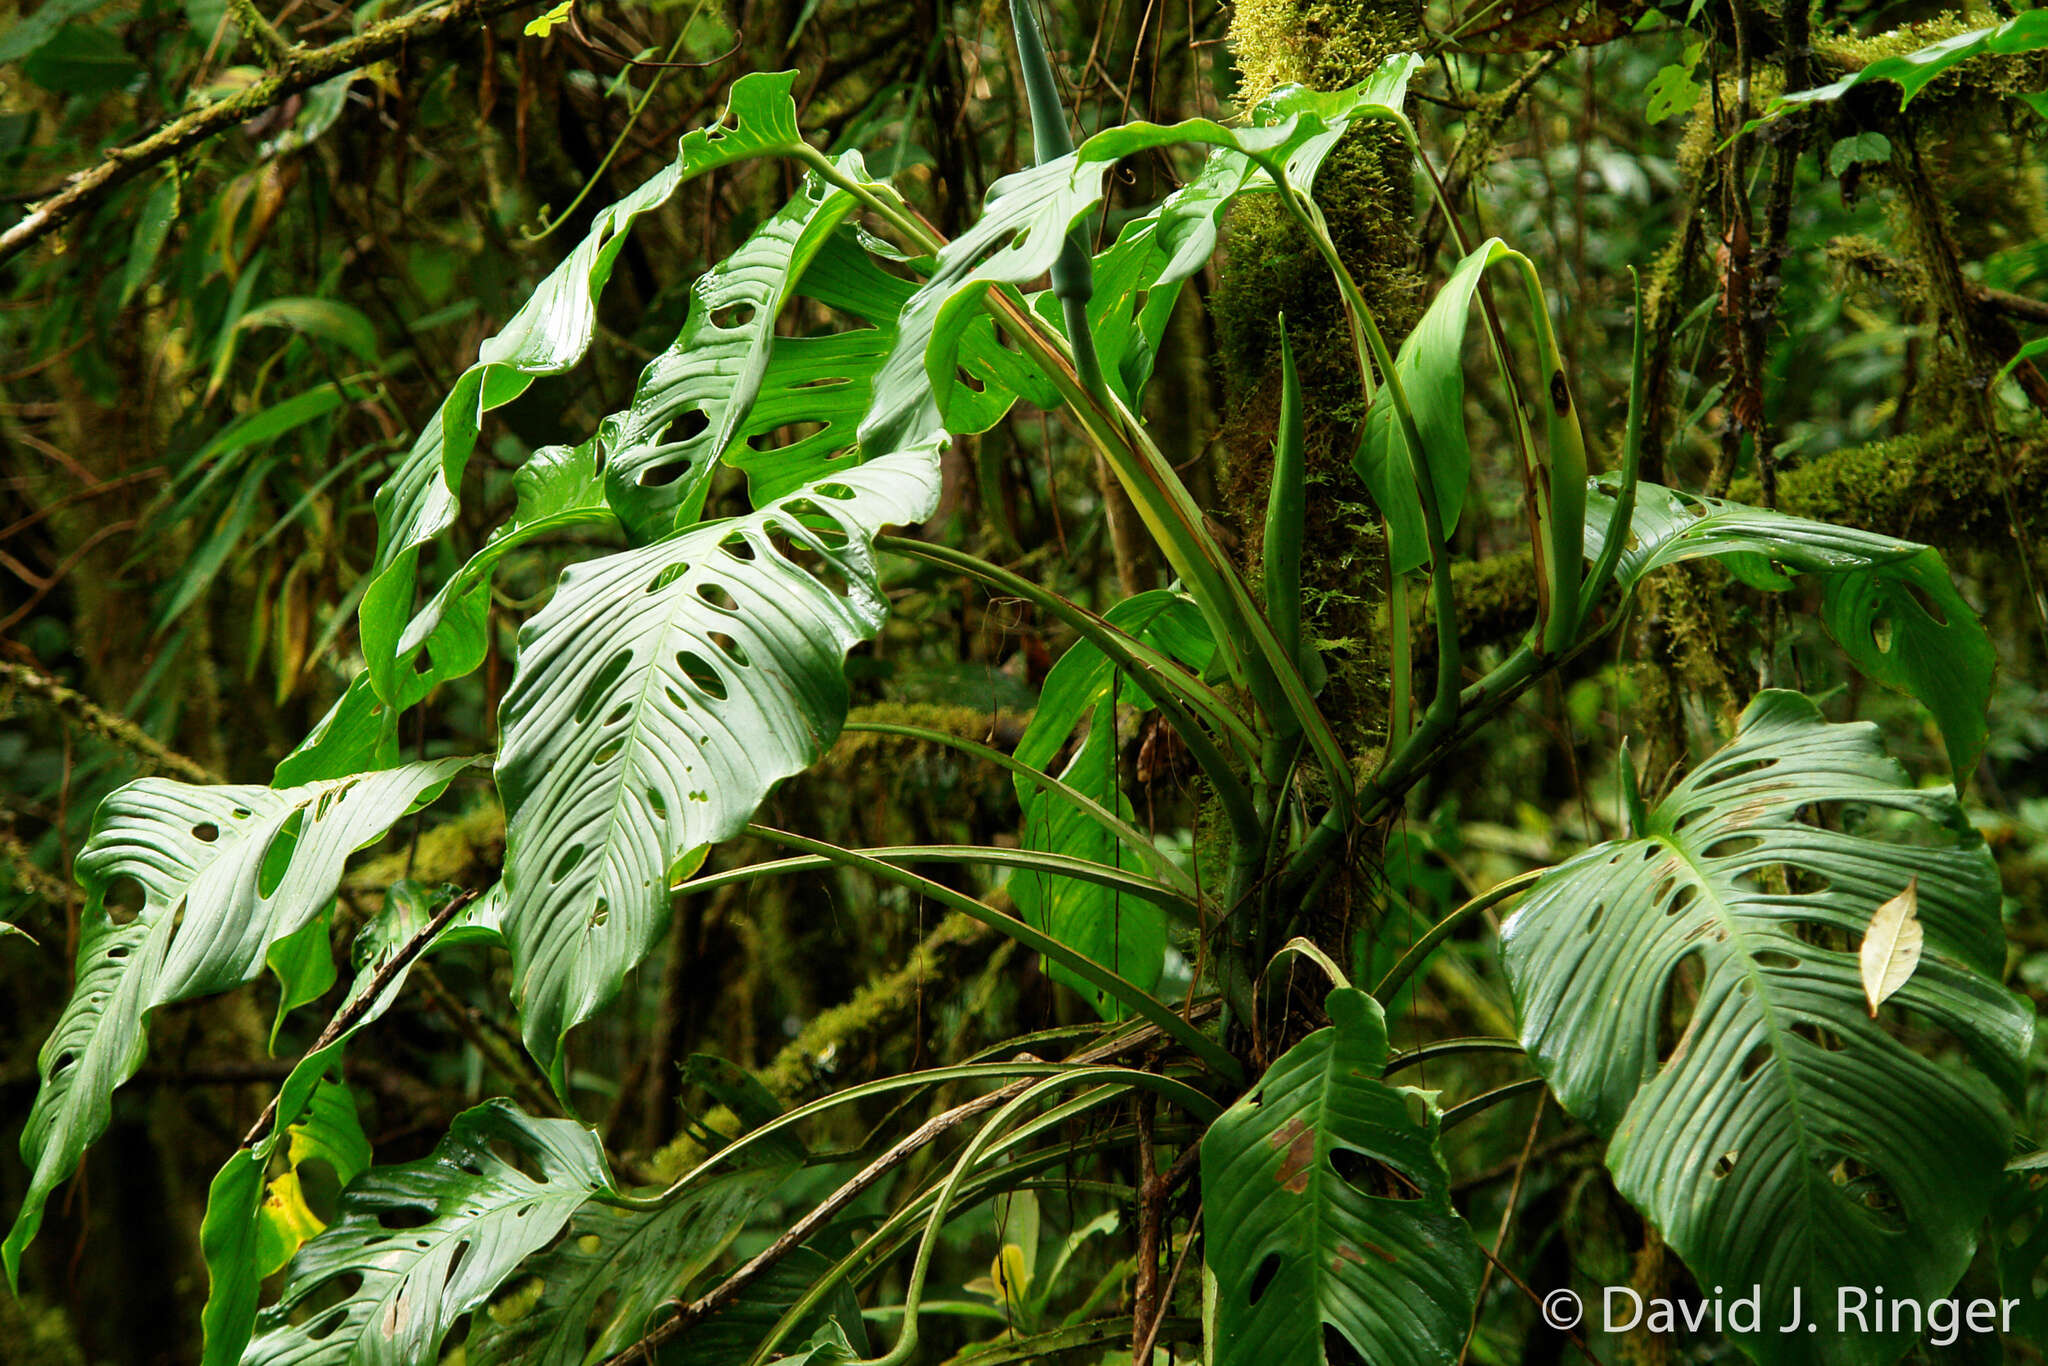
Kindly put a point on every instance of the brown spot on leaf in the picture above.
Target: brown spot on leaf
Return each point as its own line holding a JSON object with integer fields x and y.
{"x": 1298, "y": 1144}
{"x": 1560, "y": 394}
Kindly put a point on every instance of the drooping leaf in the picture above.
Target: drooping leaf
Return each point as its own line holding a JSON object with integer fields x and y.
{"x": 548, "y": 335}
{"x": 225, "y": 873}
{"x": 732, "y": 1333}
{"x": 414, "y": 1247}
{"x": 1779, "y": 1136}
{"x": 303, "y": 963}
{"x": 1119, "y": 932}
{"x": 614, "y": 1267}
{"x": 655, "y": 700}
{"x": 237, "y": 1235}
{"x": 1888, "y": 603}
{"x": 1326, "y": 1209}
{"x": 663, "y": 450}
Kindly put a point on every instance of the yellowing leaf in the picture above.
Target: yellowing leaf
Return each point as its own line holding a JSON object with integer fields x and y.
{"x": 286, "y": 1221}
{"x": 1009, "y": 1276}
{"x": 1891, "y": 946}
{"x": 545, "y": 24}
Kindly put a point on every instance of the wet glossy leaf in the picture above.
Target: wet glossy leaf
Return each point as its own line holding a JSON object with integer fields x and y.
{"x": 1696, "y": 993}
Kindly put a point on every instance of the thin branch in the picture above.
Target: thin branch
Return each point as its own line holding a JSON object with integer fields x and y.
{"x": 729, "y": 1289}
{"x": 351, "y": 1014}
{"x": 300, "y": 69}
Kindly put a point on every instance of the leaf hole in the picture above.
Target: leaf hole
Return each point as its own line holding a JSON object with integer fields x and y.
{"x": 1262, "y": 1278}
{"x": 1724, "y": 1165}
{"x": 737, "y": 546}
{"x": 1881, "y": 634}
{"x": 1926, "y": 603}
{"x": 566, "y": 864}
{"x": 700, "y": 672}
{"x": 1734, "y": 846}
{"x": 594, "y": 691}
{"x": 730, "y": 648}
{"x": 607, "y": 752}
{"x": 206, "y": 832}
{"x": 667, "y": 577}
{"x": 1681, "y": 998}
{"x": 1820, "y": 1036}
{"x": 1777, "y": 960}
{"x": 1757, "y": 1059}
{"x": 733, "y": 315}
{"x": 600, "y": 913}
{"x": 1337, "y": 1349}
{"x": 663, "y": 473}
{"x": 399, "y": 1218}
{"x": 718, "y": 597}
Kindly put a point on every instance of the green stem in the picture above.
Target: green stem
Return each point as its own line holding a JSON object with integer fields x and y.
{"x": 904, "y": 855}
{"x": 1451, "y": 1048}
{"x": 1124, "y": 831}
{"x": 1141, "y": 1002}
{"x": 1157, "y": 677}
{"x": 907, "y": 1341}
{"x": 1618, "y": 526}
{"x": 1398, "y": 975}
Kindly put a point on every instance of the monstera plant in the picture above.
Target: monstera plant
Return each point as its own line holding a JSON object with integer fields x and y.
{"x": 1724, "y": 995}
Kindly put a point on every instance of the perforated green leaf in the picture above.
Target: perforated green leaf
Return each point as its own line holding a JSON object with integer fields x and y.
{"x": 655, "y": 700}
{"x": 549, "y": 334}
{"x": 1888, "y": 603}
{"x": 1028, "y": 214}
{"x": 663, "y": 450}
{"x": 415, "y": 1247}
{"x": 238, "y": 1232}
{"x": 1695, "y": 993}
{"x": 613, "y": 1268}
{"x": 1326, "y": 1210}
{"x": 225, "y": 872}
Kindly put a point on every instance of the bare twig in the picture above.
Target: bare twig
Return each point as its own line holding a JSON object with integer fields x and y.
{"x": 352, "y": 1013}
{"x": 729, "y": 1289}
{"x": 299, "y": 69}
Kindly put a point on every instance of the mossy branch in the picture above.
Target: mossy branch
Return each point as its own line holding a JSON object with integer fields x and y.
{"x": 297, "y": 69}
{"x": 1940, "y": 489}
{"x": 79, "y": 710}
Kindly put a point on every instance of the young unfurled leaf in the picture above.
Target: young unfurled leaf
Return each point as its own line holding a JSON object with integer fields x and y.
{"x": 1891, "y": 946}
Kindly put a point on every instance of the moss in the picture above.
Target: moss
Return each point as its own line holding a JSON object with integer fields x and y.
{"x": 1941, "y": 488}
{"x": 465, "y": 850}
{"x": 839, "y": 1038}
{"x": 1366, "y": 192}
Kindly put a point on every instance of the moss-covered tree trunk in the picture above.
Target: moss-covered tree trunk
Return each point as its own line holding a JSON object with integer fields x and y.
{"x": 1270, "y": 269}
